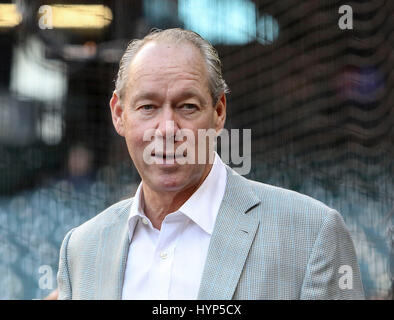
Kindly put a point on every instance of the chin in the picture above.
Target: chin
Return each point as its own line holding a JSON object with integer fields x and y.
{"x": 172, "y": 182}
{"x": 168, "y": 186}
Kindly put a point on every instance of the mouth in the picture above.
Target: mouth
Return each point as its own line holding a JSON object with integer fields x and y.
{"x": 168, "y": 156}
{"x": 168, "y": 159}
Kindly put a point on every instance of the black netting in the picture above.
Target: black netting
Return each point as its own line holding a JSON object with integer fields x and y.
{"x": 318, "y": 101}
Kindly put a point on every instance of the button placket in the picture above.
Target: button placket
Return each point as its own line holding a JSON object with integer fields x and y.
{"x": 162, "y": 263}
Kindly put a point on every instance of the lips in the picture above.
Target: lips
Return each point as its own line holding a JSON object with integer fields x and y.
{"x": 168, "y": 159}
{"x": 168, "y": 156}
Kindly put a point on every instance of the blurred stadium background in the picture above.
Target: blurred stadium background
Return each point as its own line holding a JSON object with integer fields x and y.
{"x": 319, "y": 101}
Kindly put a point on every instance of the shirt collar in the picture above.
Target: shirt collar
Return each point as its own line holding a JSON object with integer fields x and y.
{"x": 136, "y": 211}
{"x": 203, "y": 205}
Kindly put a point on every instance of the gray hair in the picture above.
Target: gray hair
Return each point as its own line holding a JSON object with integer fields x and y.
{"x": 217, "y": 85}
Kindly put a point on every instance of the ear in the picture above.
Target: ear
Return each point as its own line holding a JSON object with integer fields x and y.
{"x": 220, "y": 113}
{"x": 117, "y": 114}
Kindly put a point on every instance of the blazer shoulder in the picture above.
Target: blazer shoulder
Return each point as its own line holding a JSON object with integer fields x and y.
{"x": 108, "y": 216}
{"x": 285, "y": 200}
{"x": 292, "y": 212}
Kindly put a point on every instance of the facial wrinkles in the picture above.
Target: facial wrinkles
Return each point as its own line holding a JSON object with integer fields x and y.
{"x": 168, "y": 84}
{"x": 159, "y": 72}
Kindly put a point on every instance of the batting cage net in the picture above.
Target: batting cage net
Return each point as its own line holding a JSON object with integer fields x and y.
{"x": 311, "y": 79}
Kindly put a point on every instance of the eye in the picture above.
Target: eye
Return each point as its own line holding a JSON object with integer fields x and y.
{"x": 189, "y": 107}
{"x": 147, "y": 107}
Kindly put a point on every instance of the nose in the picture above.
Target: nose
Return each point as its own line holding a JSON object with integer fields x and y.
{"x": 168, "y": 125}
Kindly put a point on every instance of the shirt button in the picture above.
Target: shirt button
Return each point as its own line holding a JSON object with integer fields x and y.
{"x": 163, "y": 255}
{"x": 144, "y": 221}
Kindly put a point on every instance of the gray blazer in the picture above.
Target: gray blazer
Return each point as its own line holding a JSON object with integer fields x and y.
{"x": 268, "y": 243}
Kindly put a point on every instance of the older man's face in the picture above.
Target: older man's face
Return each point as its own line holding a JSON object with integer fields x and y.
{"x": 167, "y": 84}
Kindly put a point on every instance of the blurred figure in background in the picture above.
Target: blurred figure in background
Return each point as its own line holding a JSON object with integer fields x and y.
{"x": 79, "y": 166}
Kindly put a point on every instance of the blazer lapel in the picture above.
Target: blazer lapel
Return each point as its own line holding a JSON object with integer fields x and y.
{"x": 235, "y": 228}
{"x": 234, "y": 231}
{"x": 111, "y": 260}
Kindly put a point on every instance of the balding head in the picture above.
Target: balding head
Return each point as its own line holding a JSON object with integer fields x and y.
{"x": 176, "y": 36}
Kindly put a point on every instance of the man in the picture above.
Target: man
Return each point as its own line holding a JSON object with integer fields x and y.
{"x": 197, "y": 230}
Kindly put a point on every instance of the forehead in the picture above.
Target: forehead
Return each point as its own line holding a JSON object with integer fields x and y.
{"x": 168, "y": 64}
{"x": 166, "y": 51}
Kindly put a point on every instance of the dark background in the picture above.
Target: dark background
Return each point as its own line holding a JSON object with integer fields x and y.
{"x": 318, "y": 100}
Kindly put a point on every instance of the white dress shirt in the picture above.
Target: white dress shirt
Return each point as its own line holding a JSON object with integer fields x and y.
{"x": 168, "y": 263}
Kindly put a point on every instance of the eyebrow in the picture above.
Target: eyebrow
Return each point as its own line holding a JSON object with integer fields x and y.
{"x": 183, "y": 95}
{"x": 149, "y": 95}
{"x": 190, "y": 93}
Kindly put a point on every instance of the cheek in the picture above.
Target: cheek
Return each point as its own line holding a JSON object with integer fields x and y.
{"x": 135, "y": 141}
{"x": 134, "y": 128}
{"x": 134, "y": 138}
{"x": 210, "y": 120}
{"x": 205, "y": 121}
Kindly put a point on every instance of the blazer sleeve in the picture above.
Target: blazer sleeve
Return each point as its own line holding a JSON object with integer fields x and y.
{"x": 333, "y": 271}
{"x": 63, "y": 275}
